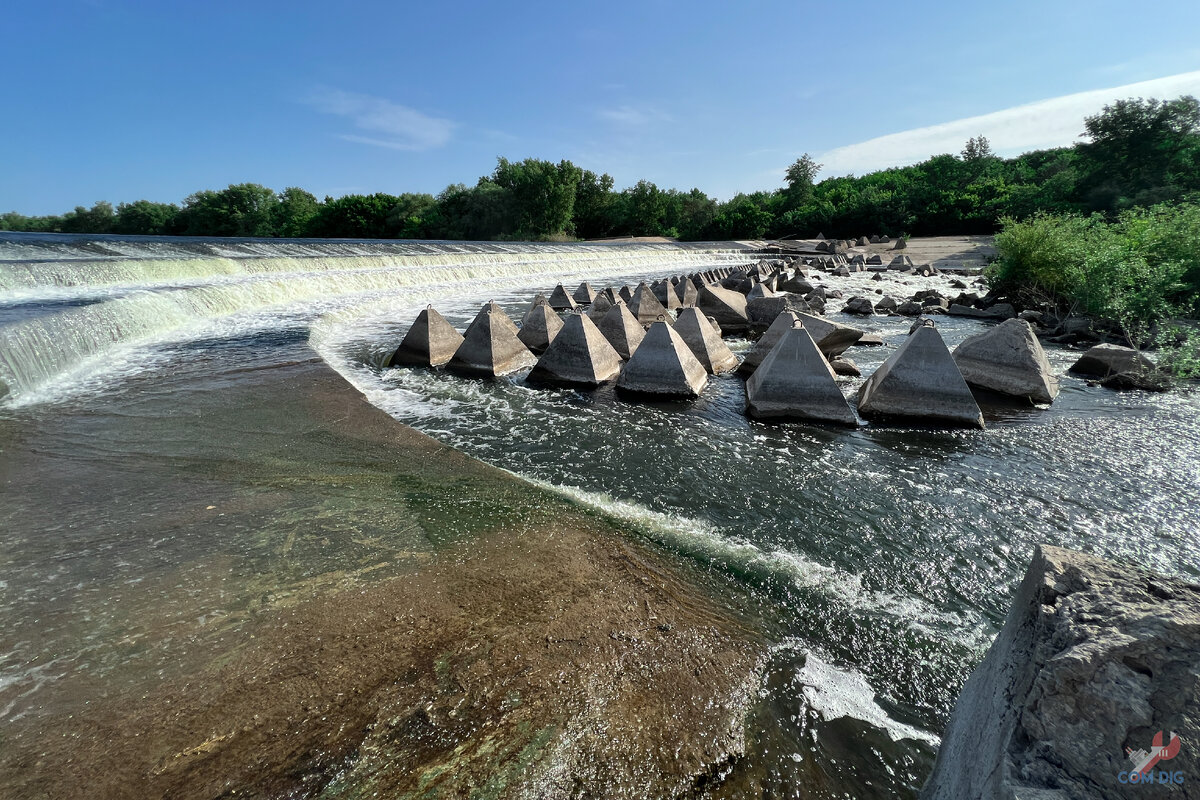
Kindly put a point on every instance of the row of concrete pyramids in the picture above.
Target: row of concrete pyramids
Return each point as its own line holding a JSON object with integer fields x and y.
{"x": 675, "y": 356}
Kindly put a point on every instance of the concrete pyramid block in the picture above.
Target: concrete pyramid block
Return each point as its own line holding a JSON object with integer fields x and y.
{"x": 540, "y": 325}
{"x": 584, "y": 295}
{"x": 832, "y": 338}
{"x": 920, "y": 382}
{"x": 729, "y": 308}
{"x": 600, "y": 307}
{"x": 430, "y": 342}
{"x": 705, "y": 341}
{"x": 775, "y": 331}
{"x": 560, "y": 300}
{"x": 645, "y": 306}
{"x": 611, "y": 296}
{"x": 795, "y": 381}
{"x": 663, "y": 365}
{"x": 687, "y": 294}
{"x": 622, "y": 330}
{"x": 578, "y": 356}
{"x": 625, "y": 294}
{"x": 1008, "y": 359}
{"x": 492, "y": 346}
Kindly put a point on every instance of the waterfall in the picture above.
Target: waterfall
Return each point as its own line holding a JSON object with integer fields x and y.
{"x": 138, "y": 291}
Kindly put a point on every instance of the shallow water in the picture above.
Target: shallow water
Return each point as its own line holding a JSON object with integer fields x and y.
{"x": 880, "y": 558}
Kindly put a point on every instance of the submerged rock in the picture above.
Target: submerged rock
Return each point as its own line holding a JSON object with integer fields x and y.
{"x": 1120, "y": 368}
{"x": 663, "y": 365}
{"x": 705, "y": 341}
{"x": 578, "y": 356}
{"x": 622, "y": 330}
{"x": 920, "y": 382}
{"x": 491, "y": 346}
{"x": 430, "y": 342}
{"x": 1093, "y": 671}
{"x": 795, "y": 381}
{"x": 540, "y": 325}
{"x": 1008, "y": 359}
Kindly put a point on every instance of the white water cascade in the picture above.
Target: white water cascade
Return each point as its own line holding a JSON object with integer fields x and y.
{"x": 68, "y": 302}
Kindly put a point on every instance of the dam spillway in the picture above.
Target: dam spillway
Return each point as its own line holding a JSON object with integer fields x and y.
{"x": 157, "y": 499}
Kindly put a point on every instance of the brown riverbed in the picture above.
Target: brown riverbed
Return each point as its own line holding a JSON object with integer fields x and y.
{"x": 541, "y": 650}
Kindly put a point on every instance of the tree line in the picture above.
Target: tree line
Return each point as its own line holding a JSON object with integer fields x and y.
{"x": 1136, "y": 153}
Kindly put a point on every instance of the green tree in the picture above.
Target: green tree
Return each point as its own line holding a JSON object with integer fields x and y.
{"x": 355, "y": 216}
{"x": 596, "y": 206}
{"x": 977, "y": 148}
{"x": 294, "y": 212}
{"x": 801, "y": 176}
{"x": 97, "y": 219}
{"x": 242, "y": 209}
{"x": 146, "y": 218}
{"x": 542, "y": 194}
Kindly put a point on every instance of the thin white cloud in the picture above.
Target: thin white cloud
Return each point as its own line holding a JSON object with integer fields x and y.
{"x": 1056, "y": 122}
{"x": 395, "y": 126}
{"x": 631, "y": 117}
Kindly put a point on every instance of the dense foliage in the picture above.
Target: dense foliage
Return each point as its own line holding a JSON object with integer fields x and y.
{"x": 1137, "y": 153}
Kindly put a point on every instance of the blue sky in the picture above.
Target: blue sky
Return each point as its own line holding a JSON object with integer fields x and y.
{"x": 113, "y": 100}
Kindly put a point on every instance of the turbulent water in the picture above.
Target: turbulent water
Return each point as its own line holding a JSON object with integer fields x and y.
{"x": 881, "y": 558}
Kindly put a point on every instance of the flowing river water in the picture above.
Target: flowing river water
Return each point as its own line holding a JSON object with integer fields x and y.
{"x": 878, "y": 561}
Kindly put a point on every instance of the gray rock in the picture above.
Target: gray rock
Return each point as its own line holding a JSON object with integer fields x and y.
{"x": 1031, "y": 316}
{"x": 663, "y": 365}
{"x": 1121, "y": 368}
{"x": 795, "y": 381}
{"x": 1094, "y": 659}
{"x": 845, "y": 367}
{"x": 1008, "y": 359}
{"x": 886, "y": 303}
{"x": 491, "y": 346}
{"x": 705, "y": 341}
{"x": 578, "y": 356}
{"x": 859, "y": 305}
{"x": 430, "y": 342}
{"x": 920, "y": 382}
{"x": 909, "y": 308}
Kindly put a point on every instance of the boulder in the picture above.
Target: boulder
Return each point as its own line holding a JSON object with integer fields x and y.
{"x": 1093, "y": 672}
{"x": 645, "y": 306}
{"x": 909, "y": 308}
{"x": 859, "y": 305}
{"x": 491, "y": 346}
{"x": 578, "y": 356}
{"x": 781, "y": 325}
{"x": 795, "y": 381}
{"x": 920, "y": 382}
{"x": 584, "y": 295}
{"x": 1008, "y": 359}
{"x": 886, "y": 304}
{"x": 430, "y": 342}
{"x": 832, "y": 338}
{"x": 728, "y": 307}
{"x": 705, "y": 341}
{"x": 663, "y": 366}
{"x": 539, "y": 326}
{"x": 1120, "y": 368}
{"x": 622, "y": 330}
{"x": 561, "y": 301}
{"x": 845, "y": 367}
